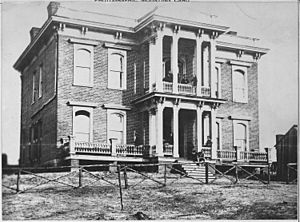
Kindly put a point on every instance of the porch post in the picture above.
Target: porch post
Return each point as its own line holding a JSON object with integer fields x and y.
{"x": 213, "y": 134}
{"x": 199, "y": 41}
{"x": 175, "y": 131}
{"x": 159, "y": 129}
{"x": 158, "y": 57}
{"x": 213, "y": 77}
{"x": 151, "y": 128}
{"x": 151, "y": 65}
{"x": 174, "y": 61}
{"x": 199, "y": 128}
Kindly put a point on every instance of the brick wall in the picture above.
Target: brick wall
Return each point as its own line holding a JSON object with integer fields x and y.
{"x": 43, "y": 108}
{"x": 99, "y": 93}
{"x": 230, "y": 108}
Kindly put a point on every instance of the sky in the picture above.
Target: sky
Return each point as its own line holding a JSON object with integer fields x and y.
{"x": 274, "y": 23}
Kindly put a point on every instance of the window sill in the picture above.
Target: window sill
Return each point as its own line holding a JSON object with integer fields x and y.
{"x": 78, "y": 85}
{"x": 120, "y": 89}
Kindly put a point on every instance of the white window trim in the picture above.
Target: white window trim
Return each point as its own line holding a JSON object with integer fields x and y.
{"x": 244, "y": 70}
{"x": 33, "y": 87}
{"x": 40, "y": 81}
{"x": 90, "y": 111}
{"x": 246, "y": 123}
{"x": 134, "y": 78}
{"x": 144, "y": 73}
{"x": 90, "y": 48}
{"x": 108, "y": 114}
{"x": 218, "y": 66}
{"x": 124, "y": 54}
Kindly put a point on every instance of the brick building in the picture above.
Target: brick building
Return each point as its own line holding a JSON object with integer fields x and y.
{"x": 111, "y": 88}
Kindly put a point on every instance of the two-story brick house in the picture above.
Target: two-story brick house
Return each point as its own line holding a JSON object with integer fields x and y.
{"x": 115, "y": 87}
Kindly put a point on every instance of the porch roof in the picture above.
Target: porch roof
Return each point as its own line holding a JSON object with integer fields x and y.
{"x": 191, "y": 98}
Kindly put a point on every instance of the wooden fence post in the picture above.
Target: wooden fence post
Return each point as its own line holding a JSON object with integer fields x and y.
{"x": 125, "y": 177}
{"x": 268, "y": 151}
{"x": 236, "y": 173}
{"x": 120, "y": 186}
{"x": 287, "y": 174}
{"x": 80, "y": 177}
{"x": 206, "y": 172}
{"x": 165, "y": 174}
{"x": 18, "y": 180}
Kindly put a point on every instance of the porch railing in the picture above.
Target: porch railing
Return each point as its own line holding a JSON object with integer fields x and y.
{"x": 226, "y": 154}
{"x": 129, "y": 150}
{"x": 252, "y": 156}
{"x": 97, "y": 148}
{"x": 168, "y": 149}
{"x": 242, "y": 155}
{"x": 186, "y": 88}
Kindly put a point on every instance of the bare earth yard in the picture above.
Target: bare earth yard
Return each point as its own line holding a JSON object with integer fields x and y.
{"x": 183, "y": 199}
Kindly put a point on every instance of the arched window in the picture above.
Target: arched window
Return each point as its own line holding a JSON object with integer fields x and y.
{"x": 116, "y": 127}
{"x": 239, "y": 82}
{"x": 240, "y": 136}
{"x": 117, "y": 69}
{"x": 82, "y": 126}
{"x": 83, "y": 65}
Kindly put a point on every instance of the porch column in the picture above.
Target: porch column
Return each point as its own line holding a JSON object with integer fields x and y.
{"x": 199, "y": 41}
{"x": 151, "y": 65}
{"x": 152, "y": 134}
{"x": 199, "y": 128}
{"x": 174, "y": 61}
{"x": 175, "y": 131}
{"x": 159, "y": 129}
{"x": 158, "y": 57}
{"x": 213, "y": 134}
{"x": 213, "y": 77}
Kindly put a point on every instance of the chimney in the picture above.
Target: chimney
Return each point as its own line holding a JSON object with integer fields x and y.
{"x": 52, "y": 8}
{"x": 278, "y": 138}
{"x": 33, "y": 32}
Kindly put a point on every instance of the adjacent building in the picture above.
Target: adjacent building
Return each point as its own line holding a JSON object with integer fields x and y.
{"x": 287, "y": 151}
{"x": 109, "y": 87}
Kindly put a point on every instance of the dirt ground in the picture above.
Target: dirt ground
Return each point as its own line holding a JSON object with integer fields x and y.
{"x": 181, "y": 199}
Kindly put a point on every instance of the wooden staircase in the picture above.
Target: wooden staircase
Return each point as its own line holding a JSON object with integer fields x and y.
{"x": 196, "y": 171}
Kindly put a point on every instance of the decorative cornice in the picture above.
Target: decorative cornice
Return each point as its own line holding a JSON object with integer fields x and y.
{"x": 247, "y": 48}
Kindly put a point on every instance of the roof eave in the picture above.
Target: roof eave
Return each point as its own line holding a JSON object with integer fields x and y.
{"x": 31, "y": 44}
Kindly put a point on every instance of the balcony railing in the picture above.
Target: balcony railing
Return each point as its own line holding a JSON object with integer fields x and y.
{"x": 167, "y": 87}
{"x": 205, "y": 91}
{"x": 186, "y": 88}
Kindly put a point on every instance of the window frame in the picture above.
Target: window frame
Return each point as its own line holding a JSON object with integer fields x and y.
{"x": 122, "y": 113}
{"x": 40, "y": 87}
{"x": 34, "y": 89}
{"x": 90, "y": 49}
{"x": 246, "y": 124}
{"x": 90, "y": 111}
{"x": 241, "y": 69}
{"x": 110, "y": 83}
